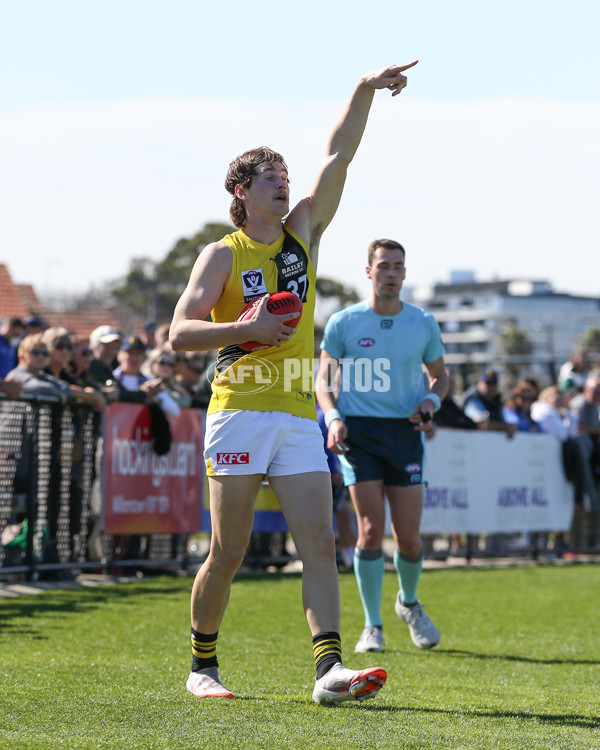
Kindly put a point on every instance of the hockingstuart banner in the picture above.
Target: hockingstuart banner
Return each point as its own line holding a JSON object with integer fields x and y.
{"x": 145, "y": 493}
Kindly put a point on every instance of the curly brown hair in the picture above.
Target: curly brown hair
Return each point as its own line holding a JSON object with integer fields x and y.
{"x": 241, "y": 171}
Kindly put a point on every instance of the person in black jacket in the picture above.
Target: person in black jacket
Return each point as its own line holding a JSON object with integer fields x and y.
{"x": 450, "y": 414}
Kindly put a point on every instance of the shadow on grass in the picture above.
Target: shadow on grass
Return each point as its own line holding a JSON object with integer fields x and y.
{"x": 459, "y": 653}
{"x": 570, "y": 720}
{"x": 61, "y": 602}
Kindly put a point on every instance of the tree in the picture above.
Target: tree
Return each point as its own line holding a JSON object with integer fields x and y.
{"x": 331, "y": 297}
{"x": 516, "y": 347}
{"x": 151, "y": 289}
{"x": 330, "y": 289}
{"x": 590, "y": 340}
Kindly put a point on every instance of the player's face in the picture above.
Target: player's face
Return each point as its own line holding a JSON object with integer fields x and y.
{"x": 269, "y": 190}
{"x": 387, "y": 272}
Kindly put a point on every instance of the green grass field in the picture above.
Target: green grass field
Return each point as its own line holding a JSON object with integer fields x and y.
{"x": 518, "y": 667}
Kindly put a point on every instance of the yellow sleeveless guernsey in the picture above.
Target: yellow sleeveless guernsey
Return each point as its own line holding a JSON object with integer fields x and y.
{"x": 279, "y": 378}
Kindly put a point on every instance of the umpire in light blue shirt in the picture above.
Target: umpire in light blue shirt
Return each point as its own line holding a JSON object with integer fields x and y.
{"x": 371, "y": 388}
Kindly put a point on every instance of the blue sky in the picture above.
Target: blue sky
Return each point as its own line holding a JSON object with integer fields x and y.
{"x": 118, "y": 120}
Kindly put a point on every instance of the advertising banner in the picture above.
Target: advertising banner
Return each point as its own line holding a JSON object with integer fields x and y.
{"x": 481, "y": 482}
{"x": 145, "y": 493}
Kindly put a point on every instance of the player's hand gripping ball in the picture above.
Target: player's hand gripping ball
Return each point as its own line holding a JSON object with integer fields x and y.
{"x": 280, "y": 303}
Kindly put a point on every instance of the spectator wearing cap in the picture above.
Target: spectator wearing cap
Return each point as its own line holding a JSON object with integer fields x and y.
{"x": 105, "y": 343}
{"x": 11, "y": 332}
{"x": 131, "y": 358}
{"x": 147, "y": 334}
{"x": 33, "y": 324}
{"x": 129, "y": 376}
{"x": 483, "y": 404}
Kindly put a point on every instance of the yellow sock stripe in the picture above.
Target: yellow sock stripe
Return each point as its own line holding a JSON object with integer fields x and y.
{"x": 204, "y": 650}
{"x": 324, "y": 648}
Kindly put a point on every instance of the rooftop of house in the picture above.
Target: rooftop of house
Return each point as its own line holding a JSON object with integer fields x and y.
{"x": 21, "y": 300}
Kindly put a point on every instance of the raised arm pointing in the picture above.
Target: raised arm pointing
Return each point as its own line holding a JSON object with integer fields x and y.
{"x": 314, "y": 213}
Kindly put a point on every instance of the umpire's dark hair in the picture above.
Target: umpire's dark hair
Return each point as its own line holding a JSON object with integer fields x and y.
{"x": 387, "y": 245}
{"x": 241, "y": 171}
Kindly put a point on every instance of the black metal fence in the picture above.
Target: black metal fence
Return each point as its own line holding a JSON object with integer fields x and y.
{"x": 51, "y": 496}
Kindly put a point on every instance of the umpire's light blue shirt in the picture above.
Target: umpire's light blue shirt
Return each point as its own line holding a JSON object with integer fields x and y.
{"x": 381, "y": 358}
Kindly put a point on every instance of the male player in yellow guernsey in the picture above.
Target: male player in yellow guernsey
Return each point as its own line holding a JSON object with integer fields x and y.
{"x": 261, "y": 420}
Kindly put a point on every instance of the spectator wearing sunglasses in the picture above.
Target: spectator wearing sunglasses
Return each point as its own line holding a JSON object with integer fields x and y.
{"x": 33, "y": 358}
{"x": 517, "y": 410}
{"x": 130, "y": 375}
{"x": 60, "y": 352}
{"x": 192, "y": 372}
{"x": 81, "y": 356}
{"x": 161, "y": 364}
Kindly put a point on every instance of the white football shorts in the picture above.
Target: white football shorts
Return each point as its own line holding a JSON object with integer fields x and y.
{"x": 271, "y": 443}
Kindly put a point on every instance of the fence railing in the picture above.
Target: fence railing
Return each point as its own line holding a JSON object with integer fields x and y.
{"x": 51, "y": 496}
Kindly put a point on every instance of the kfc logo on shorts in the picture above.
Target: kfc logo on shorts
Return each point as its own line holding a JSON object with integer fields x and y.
{"x": 229, "y": 459}
{"x": 366, "y": 342}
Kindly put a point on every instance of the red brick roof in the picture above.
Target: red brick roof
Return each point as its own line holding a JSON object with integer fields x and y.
{"x": 20, "y": 300}
{"x": 16, "y": 300}
{"x": 82, "y": 321}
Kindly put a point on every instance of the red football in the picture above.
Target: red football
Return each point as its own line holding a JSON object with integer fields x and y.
{"x": 280, "y": 303}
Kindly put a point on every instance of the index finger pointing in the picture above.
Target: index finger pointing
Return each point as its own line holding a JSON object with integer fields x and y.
{"x": 402, "y": 68}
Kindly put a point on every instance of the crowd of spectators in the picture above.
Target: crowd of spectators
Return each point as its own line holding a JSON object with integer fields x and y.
{"x": 89, "y": 372}
{"x": 569, "y": 410}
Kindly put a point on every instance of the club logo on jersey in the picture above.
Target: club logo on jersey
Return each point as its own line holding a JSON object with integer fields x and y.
{"x": 289, "y": 258}
{"x": 253, "y": 283}
{"x": 230, "y": 459}
{"x": 366, "y": 342}
{"x": 387, "y": 323}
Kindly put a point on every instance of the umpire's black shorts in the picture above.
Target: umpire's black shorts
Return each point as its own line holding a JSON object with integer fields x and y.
{"x": 387, "y": 449}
